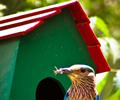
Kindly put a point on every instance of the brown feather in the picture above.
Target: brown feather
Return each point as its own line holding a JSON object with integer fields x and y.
{"x": 83, "y": 87}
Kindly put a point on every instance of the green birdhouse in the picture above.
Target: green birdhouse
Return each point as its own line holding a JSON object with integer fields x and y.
{"x": 33, "y": 43}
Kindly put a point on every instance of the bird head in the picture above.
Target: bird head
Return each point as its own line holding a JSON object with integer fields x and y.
{"x": 76, "y": 71}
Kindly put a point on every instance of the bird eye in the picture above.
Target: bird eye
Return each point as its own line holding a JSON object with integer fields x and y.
{"x": 83, "y": 70}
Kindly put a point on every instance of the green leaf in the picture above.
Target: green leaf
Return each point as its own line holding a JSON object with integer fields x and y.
{"x": 51, "y": 1}
{"x": 105, "y": 47}
{"x": 2, "y": 7}
{"x": 101, "y": 84}
{"x": 115, "y": 96}
{"x": 108, "y": 87}
{"x": 36, "y": 3}
{"x": 88, "y": 4}
{"x": 99, "y": 27}
{"x": 110, "y": 48}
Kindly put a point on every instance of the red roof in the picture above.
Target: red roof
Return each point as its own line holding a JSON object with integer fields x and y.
{"x": 22, "y": 23}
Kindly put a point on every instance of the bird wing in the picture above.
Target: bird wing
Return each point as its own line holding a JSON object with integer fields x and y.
{"x": 66, "y": 96}
{"x": 97, "y": 97}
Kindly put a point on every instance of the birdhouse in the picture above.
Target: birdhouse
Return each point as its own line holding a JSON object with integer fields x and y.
{"x": 33, "y": 43}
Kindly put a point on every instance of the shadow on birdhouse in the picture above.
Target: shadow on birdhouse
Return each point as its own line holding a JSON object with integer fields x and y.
{"x": 32, "y": 43}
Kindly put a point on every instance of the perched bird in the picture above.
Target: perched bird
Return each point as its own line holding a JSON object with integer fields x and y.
{"x": 83, "y": 82}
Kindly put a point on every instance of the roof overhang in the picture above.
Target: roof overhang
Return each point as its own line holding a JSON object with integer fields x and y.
{"x": 22, "y": 23}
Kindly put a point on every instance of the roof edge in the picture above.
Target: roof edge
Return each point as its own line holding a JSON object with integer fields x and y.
{"x": 93, "y": 45}
{"x": 36, "y": 11}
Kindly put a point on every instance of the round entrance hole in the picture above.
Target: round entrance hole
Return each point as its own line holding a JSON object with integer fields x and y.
{"x": 50, "y": 89}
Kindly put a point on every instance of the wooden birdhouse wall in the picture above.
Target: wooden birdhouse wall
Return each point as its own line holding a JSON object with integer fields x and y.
{"x": 55, "y": 43}
{"x": 8, "y": 55}
{"x": 63, "y": 40}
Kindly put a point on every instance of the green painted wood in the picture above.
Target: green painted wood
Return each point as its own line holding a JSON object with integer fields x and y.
{"x": 55, "y": 43}
{"x": 8, "y": 52}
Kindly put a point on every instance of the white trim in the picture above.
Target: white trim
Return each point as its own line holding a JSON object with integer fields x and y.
{"x": 28, "y": 18}
{"x": 38, "y": 9}
{"x": 18, "y": 29}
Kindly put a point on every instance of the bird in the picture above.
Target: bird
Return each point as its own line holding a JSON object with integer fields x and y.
{"x": 83, "y": 85}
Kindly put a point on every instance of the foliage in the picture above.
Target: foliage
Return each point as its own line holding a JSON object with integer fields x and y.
{"x": 14, "y": 6}
{"x": 104, "y": 16}
{"x": 2, "y": 7}
{"x": 109, "y": 87}
{"x": 108, "y": 10}
{"x": 99, "y": 27}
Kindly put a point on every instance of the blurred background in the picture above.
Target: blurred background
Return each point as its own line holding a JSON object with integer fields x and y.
{"x": 104, "y": 16}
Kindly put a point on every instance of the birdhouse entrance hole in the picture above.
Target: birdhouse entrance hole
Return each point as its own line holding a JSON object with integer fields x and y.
{"x": 50, "y": 89}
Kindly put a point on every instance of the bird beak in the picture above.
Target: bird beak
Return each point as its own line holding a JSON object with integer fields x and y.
{"x": 62, "y": 71}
